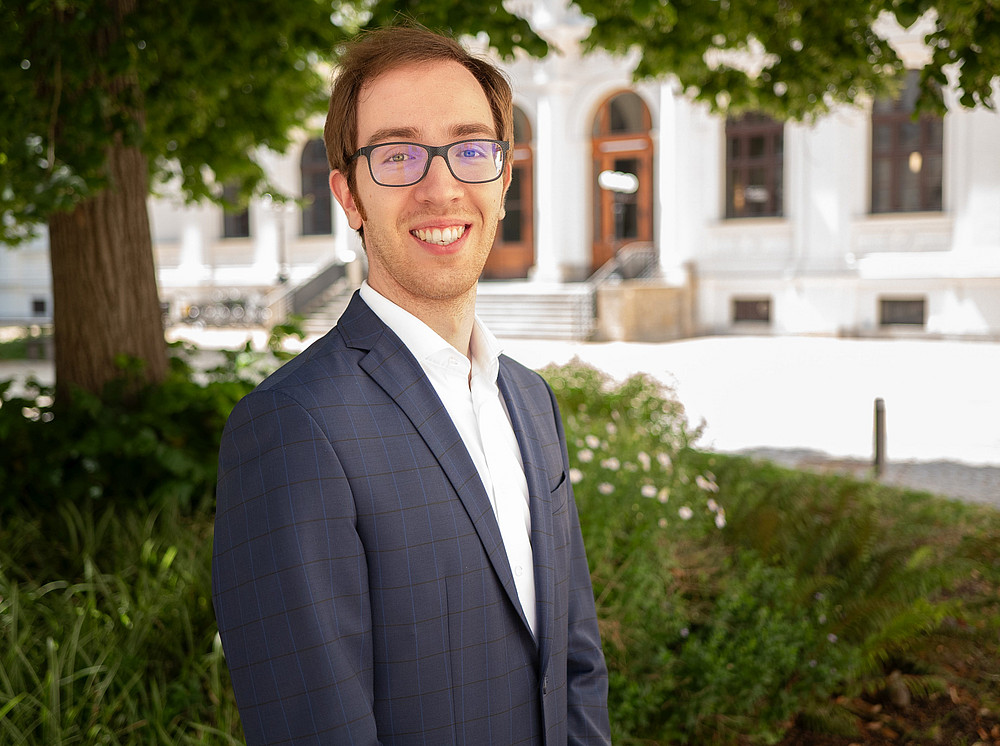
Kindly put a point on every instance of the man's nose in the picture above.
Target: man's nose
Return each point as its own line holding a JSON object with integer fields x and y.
{"x": 439, "y": 183}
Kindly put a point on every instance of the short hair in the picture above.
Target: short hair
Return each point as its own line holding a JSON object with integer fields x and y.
{"x": 374, "y": 53}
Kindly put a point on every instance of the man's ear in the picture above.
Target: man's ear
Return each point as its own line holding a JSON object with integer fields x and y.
{"x": 342, "y": 193}
{"x": 508, "y": 175}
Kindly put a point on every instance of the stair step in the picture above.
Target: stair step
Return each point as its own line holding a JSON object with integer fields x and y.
{"x": 523, "y": 310}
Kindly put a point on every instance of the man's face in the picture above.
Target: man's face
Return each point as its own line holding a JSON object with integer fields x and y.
{"x": 426, "y": 242}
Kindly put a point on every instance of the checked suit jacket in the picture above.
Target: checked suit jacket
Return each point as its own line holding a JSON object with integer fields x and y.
{"x": 360, "y": 582}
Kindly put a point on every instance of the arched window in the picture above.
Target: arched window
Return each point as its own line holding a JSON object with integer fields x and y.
{"x": 317, "y": 219}
{"x": 623, "y": 176}
{"x": 907, "y": 154}
{"x": 513, "y": 251}
{"x": 755, "y": 154}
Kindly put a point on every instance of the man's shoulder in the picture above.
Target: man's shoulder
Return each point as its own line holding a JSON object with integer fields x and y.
{"x": 317, "y": 368}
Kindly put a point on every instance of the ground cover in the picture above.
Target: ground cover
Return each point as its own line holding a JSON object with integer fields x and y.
{"x": 739, "y": 602}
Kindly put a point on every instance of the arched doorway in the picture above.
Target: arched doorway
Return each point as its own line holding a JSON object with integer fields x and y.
{"x": 623, "y": 176}
{"x": 513, "y": 251}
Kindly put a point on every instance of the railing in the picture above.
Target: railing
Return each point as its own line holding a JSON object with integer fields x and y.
{"x": 635, "y": 261}
{"x": 299, "y": 300}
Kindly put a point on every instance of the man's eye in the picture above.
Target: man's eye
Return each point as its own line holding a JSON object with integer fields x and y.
{"x": 397, "y": 157}
{"x": 470, "y": 153}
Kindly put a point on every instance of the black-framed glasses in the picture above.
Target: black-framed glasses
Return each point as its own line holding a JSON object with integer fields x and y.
{"x": 400, "y": 164}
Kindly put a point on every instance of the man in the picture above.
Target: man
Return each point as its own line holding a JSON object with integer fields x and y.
{"x": 397, "y": 551}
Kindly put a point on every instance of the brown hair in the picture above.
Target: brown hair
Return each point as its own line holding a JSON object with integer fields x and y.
{"x": 379, "y": 51}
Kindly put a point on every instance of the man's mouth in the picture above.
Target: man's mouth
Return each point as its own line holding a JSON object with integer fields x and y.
{"x": 440, "y": 236}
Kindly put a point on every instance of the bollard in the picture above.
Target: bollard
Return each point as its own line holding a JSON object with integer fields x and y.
{"x": 879, "y": 437}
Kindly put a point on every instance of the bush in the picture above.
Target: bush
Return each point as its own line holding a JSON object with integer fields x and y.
{"x": 128, "y": 443}
{"x": 734, "y": 598}
{"x": 106, "y": 628}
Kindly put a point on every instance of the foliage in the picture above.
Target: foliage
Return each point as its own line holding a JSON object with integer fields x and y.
{"x": 734, "y": 597}
{"x": 806, "y": 56}
{"x": 106, "y": 628}
{"x": 122, "y": 446}
{"x": 212, "y": 85}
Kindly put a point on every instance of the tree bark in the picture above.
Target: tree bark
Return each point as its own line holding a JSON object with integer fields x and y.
{"x": 105, "y": 299}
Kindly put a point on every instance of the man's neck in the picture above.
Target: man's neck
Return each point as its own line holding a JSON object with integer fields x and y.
{"x": 451, "y": 318}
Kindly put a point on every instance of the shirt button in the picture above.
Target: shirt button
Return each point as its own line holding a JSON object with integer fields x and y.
{"x": 519, "y": 571}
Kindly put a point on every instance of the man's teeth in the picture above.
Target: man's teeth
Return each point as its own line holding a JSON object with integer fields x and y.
{"x": 440, "y": 236}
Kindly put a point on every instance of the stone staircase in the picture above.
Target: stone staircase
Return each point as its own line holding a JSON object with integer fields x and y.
{"x": 510, "y": 309}
{"x": 534, "y": 310}
{"x": 328, "y": 309}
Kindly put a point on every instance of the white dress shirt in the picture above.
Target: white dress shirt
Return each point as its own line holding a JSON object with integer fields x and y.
{"x": 468, "y": 389}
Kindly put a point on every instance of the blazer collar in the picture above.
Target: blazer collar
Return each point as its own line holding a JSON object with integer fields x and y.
{"x": 391, "y": 365}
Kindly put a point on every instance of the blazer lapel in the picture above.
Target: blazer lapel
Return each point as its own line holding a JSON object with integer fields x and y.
{"x": 539, "y": 503}
{"x": 391, "y": 365}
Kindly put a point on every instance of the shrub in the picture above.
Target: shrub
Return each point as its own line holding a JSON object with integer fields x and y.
{"x": 128, "y": 443}
{"x": 106, "y": 628}
{"x": 733, "y": 597}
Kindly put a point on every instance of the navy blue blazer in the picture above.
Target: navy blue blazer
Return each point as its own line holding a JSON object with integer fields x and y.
{"x": 360, "y": 583}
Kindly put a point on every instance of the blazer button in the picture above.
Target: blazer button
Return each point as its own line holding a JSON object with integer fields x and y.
{"x": 545, "y": 686}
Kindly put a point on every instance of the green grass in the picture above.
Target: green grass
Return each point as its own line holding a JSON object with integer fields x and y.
{"x": 735, "y": 599}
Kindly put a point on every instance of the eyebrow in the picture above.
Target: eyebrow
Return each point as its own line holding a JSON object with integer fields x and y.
{"x": 388, "y": 134}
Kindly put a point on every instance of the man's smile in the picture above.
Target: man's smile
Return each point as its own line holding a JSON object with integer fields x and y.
{"x": 440, "y": 236}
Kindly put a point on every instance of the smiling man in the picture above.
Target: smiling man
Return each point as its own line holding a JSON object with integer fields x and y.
{"x": 397, "y": 552}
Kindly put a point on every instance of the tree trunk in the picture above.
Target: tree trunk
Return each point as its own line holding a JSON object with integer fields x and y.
{"x": 105, "y": 299}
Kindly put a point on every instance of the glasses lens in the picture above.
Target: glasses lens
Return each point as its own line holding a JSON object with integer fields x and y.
{"x": 398, "y": 164}
{"x": 476, "y": 160}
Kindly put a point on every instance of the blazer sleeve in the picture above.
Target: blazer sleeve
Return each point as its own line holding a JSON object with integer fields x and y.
{"x": 290, "y": 580}
{"x": 586, "y": 670}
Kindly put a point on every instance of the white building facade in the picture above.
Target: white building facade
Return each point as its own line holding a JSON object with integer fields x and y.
{"x": 862, "y": 223}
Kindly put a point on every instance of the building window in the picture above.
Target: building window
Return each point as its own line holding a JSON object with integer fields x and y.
{"x": 317, "y": 215}
{"x": 755, "y": 153}
{"x": 906, "y": 154}
{"x": 902, "y": 311}
{"x": 39, "y": 308}
{"x": 756, "y": 310}
{"x": 235, "y": 222}
{"x": 623, "y": 176}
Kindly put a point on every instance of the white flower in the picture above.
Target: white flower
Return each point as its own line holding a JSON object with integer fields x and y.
{"x": 612, "y": 428}
{"x": 611, "y": 463}
{"x": 664, "y": 459}
{"x": 648, "y": 490}
{"x": 720, "y": 520}
{"x": 575, "y": 475}
{"x": 593, "y": 441}
{"x": 712, "y": 505}
{"x": 663, "y": 495}
{"x": 662, "y": 523}
{"x": 685, "y": 512}
{"x": 605, "y": 488}
{"x": 706, "y": 483}
{"x": 645, "y": 460}
{"x": 586, "y": 455}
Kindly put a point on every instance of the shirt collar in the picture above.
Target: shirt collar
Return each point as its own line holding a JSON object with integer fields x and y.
{"x": 425, "y": 343}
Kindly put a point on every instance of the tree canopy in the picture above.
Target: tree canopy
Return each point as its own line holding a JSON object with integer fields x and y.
{"x": 218, "y": 81}
{"x": 806, "y": 56}
{"x": 215, "y": 83}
